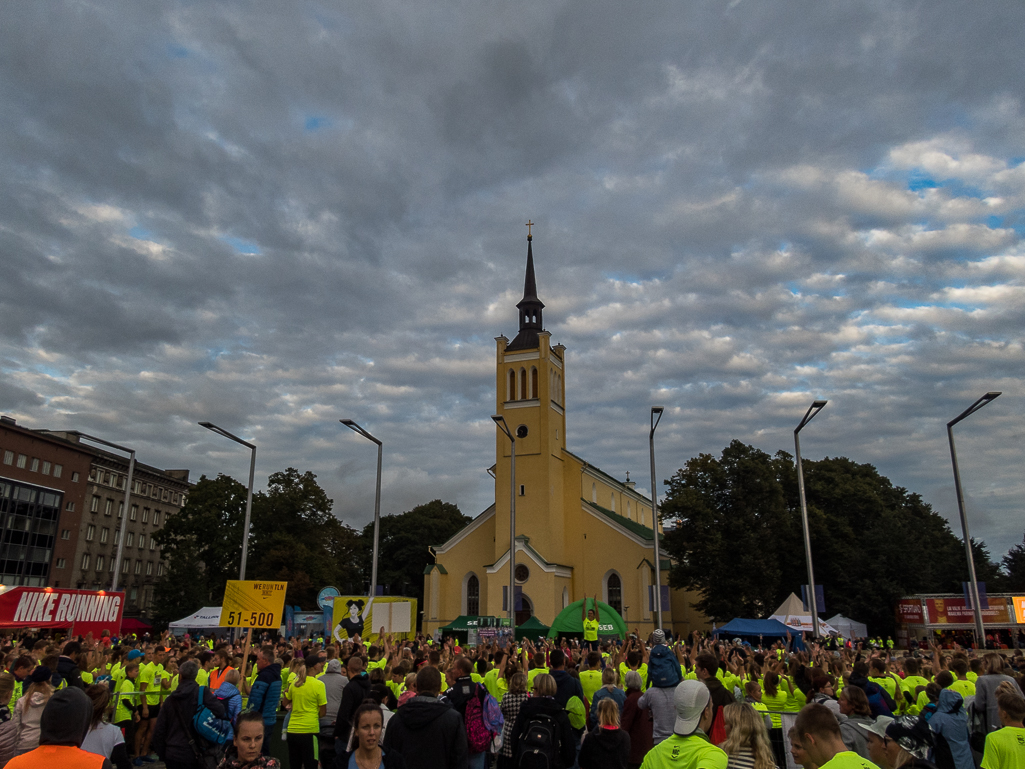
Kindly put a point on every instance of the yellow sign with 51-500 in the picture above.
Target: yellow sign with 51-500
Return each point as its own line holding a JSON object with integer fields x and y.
{"x": 249, "y": 603}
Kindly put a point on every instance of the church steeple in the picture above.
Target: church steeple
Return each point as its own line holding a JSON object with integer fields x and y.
{"x": 530, "y": 307}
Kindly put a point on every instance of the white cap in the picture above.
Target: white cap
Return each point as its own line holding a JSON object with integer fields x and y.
{"x": 690, "y": 698}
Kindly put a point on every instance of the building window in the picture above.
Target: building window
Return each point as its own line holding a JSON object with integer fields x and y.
{"x": 22, "y": 461}
{"x": 108, "y": 508}
{"x": 129, "y": 538}
{"x": 138, "y": 567}
{"x": 614, "y": 592}
{"x": 145, "y": 515}
{"x": 473, "y": 596}
{"x": 134, "y": 594}
{"x": 120, "y": 510}
{"x": 134, "y": 514}
{"x": 61, "y": 563}
{"x": 533, "y": 382}
{"x": 35, "y": 465}
{"x": 94, "y": 506}
{"x": 66, "y": 534}
{"x": 521, "y": 572}
{"x": 8, "y": 457}
{"x": 117, "y": 536}
{"x": 70, "y": 507}
{"x": 46, "y": 468}
{"x": 57, "y": 474}
{"x": 156, "y": 517}
{"x": 523, "y": 490}
{"x": 523, "y": 383}
{"x": 160, "y": 569}
{"x": 126, "y": 566}
{"x": 149, "y": 568}
{"x": 99, "y": 563}
{"x": 85, "y": 561}
{"x": 104, "y": 535}
{"x": 152, "y": 544}
{"x": 111, "y": 569}
{"x": 59, "y": 469}
{"x": 90, "y": 532}
{"x": 142, "y": 541}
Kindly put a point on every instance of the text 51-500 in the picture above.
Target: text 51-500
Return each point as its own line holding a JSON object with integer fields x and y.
{"x": 261, "y": 619}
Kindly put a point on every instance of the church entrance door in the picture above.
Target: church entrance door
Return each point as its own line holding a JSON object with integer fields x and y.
{"x": 525, "y": 609}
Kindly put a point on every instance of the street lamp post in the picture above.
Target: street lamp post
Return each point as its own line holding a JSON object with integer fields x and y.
{"x": 815, "y": 408}
{"x": 249, "y": 495}
{"x": 500, "y": 421}
{"x": 377, "y": 501}
{"x": 980, "y": 632}
{"x": 128, "y": 498}
{"x": 656, "y": 417}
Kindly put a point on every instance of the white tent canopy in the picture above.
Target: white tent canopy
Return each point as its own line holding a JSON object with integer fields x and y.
{"x": 848, "y": 628}
{"x": 207, "y": 617}
{"x": 792, "y": 614}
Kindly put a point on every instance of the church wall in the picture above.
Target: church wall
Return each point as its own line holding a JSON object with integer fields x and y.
{"x": 465, "y": 557}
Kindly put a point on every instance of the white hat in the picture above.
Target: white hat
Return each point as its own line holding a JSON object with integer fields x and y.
{"x": 877, "y": 727}
{"x": 690, "y": 698}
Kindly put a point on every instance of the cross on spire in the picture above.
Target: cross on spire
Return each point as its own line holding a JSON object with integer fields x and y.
{"x": 529, "y": 225}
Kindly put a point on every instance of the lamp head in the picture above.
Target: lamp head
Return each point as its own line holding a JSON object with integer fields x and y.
{"x": 657, "y": 409}
{"x": 819, "y": 404}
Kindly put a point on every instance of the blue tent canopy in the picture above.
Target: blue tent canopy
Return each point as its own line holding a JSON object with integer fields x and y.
{"x": 767, "y": 628}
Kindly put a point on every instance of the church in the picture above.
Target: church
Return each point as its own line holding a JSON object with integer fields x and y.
{"x": 579, "y": 531}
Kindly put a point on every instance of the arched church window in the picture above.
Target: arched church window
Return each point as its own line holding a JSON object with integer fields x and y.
{"x": 473, "y": 596}
{"x": 533, "y": 382}
{"x": 523, "y": 383}
{"x": 614, "y": 592}
{"x": 511, "y": 388}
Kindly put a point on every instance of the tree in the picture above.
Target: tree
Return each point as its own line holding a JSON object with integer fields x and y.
{"x": 1014, "y": 566}
{"x": 734, "y": 531}
{"x": 202, "y": 545}
{"x": 402, "y": 551}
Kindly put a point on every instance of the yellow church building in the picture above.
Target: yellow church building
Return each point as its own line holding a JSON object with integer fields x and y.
{"x": 579, "y": 531}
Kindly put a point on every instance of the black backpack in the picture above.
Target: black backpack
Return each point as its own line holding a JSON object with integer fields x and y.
{"x": 539, "y": 743}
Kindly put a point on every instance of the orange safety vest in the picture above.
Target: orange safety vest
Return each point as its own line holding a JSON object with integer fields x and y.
{"x": 64, "y": 756}
{"x": 217, "y": 678}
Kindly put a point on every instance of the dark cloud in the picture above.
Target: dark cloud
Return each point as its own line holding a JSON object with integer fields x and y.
{"x": 273, "y": 217}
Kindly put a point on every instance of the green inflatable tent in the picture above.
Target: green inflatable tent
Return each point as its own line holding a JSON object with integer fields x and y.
{"x": 569, "y": 625}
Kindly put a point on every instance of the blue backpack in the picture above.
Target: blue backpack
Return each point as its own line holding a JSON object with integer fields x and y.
{"x": 214, "y": 730}
{"x": 663, "y": 668}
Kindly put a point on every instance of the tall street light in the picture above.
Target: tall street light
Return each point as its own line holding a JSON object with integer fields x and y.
{"x": 377, "y": 502}
{"x": 980, "y": 633}
{"x": 128, "y": 497}
{"x": 816, "y": 407}
{"x": 249, "y": 496}
{"x": 656, "y": 417}
{"x": 500, "y": 421}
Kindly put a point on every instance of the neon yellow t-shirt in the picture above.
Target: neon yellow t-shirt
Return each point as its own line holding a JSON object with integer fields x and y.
{"x": 590, "y": 682}
{"x": 694, "y": 752}
{"x": 910, "y": 684}
{"x": 624, "y": 669}
{"x": 964, "y": 688}
{"x": 532, "y": 675}
{"x": 306, "y": 702}
{"x": 126, "y": 700}
{"x": 590, "y": 630}
{"x": 972, "y": 676}
{"x": 1005, "y": 749}
{"x": 777, "y": 701}
{"x": 848, "y": 760}
{"x": 887, "y": 683}
{"x": 491, "y": 682}
{"x": 376, "y": 664}
{"x": 202, "y": 677}
{"x": 150, "y": 674}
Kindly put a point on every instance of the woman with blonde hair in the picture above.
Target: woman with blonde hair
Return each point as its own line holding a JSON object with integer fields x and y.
{"x": 606, "y": 746}
{"x": 308, "y": 696}
{"x": 747, "y": 741}
{"x": 29, "y": 709}
{"x": 609, "y": 689}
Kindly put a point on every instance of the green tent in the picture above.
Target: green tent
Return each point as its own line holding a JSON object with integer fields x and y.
{"x": 569, "y": 625}
{"x": 533, "y": 628}
{"x": 460, "y": 627}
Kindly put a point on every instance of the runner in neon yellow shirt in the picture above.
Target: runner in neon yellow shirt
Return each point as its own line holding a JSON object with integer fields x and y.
{"x": 590, "y": 619}
{"x": 688, "y": 747}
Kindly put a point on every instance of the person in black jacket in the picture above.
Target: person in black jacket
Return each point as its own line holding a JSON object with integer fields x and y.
{"x": 67, "y": 669}
{"x": 428, "y": 732}
{"x": 173, "y": 737}
{"x": 353, "y": 695}
{"x": 606, "y": 746}
{"x": 543, "y": 703}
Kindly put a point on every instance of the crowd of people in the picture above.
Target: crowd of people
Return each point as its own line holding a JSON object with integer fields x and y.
{"x": 651, "y": 703}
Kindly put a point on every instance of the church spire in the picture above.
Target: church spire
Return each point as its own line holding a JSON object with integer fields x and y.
{"x": 530, "y": 306}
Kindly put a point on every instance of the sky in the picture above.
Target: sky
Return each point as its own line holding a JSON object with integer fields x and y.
{"x": 274, "y": 215}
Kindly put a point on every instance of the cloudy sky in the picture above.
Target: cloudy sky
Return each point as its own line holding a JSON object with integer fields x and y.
{"x": 273, "y": 215}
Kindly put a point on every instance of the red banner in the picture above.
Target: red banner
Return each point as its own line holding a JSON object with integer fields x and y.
{"x": 909, "y": 611}
{"x": 952, "y": 611}
{"x": 84, "y": 611}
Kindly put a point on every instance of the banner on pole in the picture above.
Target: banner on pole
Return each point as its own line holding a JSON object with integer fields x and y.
{"x": 249, "y": 603}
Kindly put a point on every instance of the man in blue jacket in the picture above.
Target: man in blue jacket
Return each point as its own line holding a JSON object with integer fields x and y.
{"x": 266, "y": 692}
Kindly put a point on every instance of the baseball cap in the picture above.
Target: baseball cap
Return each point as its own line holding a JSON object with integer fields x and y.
{"x": 658, "y": 637}
{"x": 691, "y": 699}
{"x": 877, "y": 727}
{"x": 135, "y": 654}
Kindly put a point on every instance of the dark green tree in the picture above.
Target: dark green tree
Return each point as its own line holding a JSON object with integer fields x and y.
{"x": 202, "y": 545}
{"x": 1014, "y": 567}
{"x": 402, "y": 552}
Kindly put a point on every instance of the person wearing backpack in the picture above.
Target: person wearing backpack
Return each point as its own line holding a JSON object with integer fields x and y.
{"x": 542, "y": 735}
{"x": 174, "y": 736}
{"x": 426, "y": 730}
{"x": 467, "y": 697}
